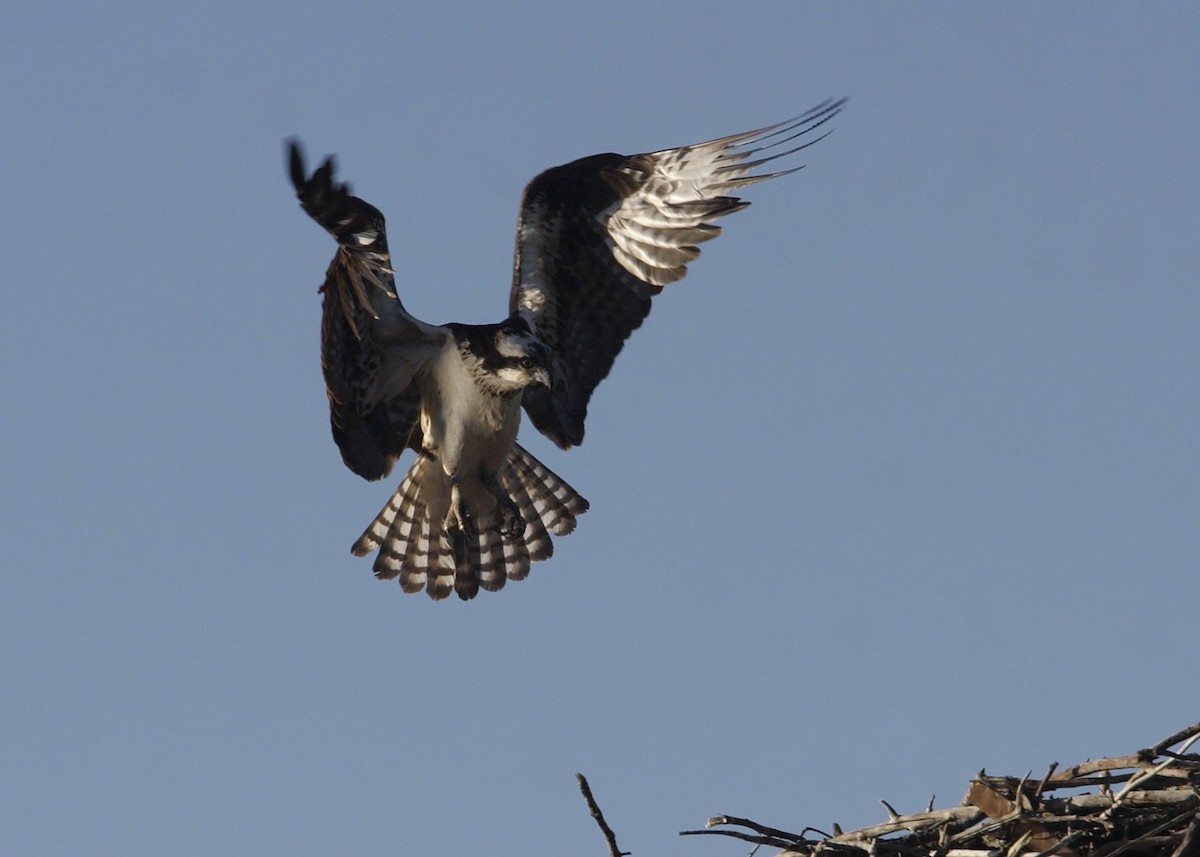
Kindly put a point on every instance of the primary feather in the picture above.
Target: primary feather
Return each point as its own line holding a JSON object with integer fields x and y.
{"x": 596, "y": 239}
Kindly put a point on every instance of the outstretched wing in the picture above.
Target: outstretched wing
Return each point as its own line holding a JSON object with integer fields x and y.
{"x": 599, "y": 236}
{"x": 372, "y": 350}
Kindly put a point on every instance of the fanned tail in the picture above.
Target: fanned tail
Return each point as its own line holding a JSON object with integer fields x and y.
{"x": 414, "y": 546}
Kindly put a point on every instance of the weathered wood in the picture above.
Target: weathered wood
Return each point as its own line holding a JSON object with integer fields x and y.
{"x": 999, "y": 808}
{"x": 1156, "y": 813}
{"x": 594, "y": 809}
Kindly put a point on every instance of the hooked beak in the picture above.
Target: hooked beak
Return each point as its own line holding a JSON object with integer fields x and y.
{"x": 542, "y": 376}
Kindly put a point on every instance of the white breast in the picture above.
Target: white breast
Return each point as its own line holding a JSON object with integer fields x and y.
{"x": 469, "y": 428}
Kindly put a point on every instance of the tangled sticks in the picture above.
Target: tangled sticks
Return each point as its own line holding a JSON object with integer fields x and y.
{"x": 1155, "y": 812}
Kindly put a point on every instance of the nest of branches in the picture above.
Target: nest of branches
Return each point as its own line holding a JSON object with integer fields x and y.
{"x": 1146, "y": 804}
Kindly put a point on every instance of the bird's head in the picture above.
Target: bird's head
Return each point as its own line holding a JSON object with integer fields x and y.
{"x": 522, "y": 359}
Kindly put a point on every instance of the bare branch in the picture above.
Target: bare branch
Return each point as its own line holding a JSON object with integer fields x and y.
{"x": 1190, "y": 845}
{"x": 1156, "y": 813}
{"x": 1178, "y": 738}
{"x": 594, "y": 809}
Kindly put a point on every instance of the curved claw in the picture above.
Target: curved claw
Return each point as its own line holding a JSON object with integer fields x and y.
{"x": 513, "y": 528}
{"x": 512, "y": 525}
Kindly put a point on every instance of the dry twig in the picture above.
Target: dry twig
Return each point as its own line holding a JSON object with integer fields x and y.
{"x": 594, "y": 809}
{"x": 1156, "y": 813}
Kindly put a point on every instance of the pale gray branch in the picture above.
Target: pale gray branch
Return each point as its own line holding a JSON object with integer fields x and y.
{"x": 1155, "y": 814}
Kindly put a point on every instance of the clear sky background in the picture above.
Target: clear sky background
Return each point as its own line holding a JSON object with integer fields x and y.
{"x": 903, "y": 481}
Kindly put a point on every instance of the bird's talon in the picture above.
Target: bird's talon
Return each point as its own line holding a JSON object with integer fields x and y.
{"x": 512, "y": 525}
{"x": 513, "y": 528}
{"x": 461, "y": 521}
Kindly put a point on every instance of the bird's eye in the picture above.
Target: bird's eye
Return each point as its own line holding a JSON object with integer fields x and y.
{"x": 527, "y": 363}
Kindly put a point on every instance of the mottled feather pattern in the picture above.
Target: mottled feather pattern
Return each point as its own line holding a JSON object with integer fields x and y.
{"x": 373, "y": 406}
{"x": 597, "y": 239}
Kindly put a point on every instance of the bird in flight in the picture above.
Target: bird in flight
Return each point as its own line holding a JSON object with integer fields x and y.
{"x": 596, "y": 239}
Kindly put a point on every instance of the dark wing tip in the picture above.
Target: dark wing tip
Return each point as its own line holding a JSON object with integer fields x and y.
{"x": 320, "y": 185}
{"x": 332, "y": 203}
{"x": 295, "y": 159}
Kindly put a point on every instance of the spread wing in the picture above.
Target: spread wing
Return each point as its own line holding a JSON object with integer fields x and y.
{"x": 598, "y": 237}
{"x": 372, "y": 350}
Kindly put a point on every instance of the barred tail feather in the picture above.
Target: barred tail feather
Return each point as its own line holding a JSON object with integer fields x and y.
{"x": 405, "y": 498}
{"x": 555, "y": 503}
{"x": 537, "y": 540}
{"x": 515, "y": 555}
{"x": 438, "y": 562}
{"x": 413, "y": 546}
{"x": 413, "y": 576}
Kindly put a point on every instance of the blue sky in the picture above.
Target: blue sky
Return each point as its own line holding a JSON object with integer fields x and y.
{"x": 903, "y": 481}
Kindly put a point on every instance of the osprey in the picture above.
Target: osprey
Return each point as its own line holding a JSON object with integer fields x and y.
{"x": 596, "y": 239}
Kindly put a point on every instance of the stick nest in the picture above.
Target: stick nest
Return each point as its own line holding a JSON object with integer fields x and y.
{"x": 1146, "y": 804}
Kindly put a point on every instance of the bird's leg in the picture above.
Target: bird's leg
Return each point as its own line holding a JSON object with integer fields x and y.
{"x": 512, "y": 525}
{"x": 459, "y": 518}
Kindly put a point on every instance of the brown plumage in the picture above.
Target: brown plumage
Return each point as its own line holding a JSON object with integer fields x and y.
{"x": 596, "y": 240}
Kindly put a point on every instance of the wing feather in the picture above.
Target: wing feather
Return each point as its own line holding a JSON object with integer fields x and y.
{"x": 598, "y": 237}
{"x": 372, "y": 350}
